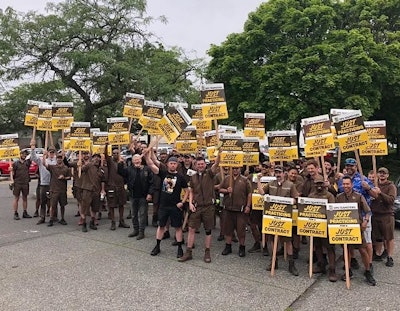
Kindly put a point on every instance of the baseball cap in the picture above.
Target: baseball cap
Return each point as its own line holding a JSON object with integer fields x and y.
{"x": 163, "y": 151}
{"x": 350, "y": 161}
{"x": 51, "y": 148}
{"x": 172, "y": 159}
{"x": 383, "y": 169}
{"x": 278, "y": 168}
{"x": 318, "y": 179}
{"x": 96, "y": 155}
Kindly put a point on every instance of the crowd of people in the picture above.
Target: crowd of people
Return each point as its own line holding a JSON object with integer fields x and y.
{"x": 187, "y": 192}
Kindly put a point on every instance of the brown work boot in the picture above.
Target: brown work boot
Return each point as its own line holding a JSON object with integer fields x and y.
{"x": 207, "y": 255}
{"x": 186, "y": 256}
{"x": 332, "y": 275}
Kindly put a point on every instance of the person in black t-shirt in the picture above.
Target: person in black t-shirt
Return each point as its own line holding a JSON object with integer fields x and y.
{"x": 171, "y": 205}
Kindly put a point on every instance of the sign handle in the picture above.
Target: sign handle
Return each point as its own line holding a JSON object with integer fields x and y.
{"x": 80, "y": 166}
{"x": 11, "y": 172}
{"x": 339, "y": 156}
{"x": 359, "y": 164}
{"x": 346, "y": 265}
{"x": 62, "y": 141}
{"x": 374, "y": 169}
{"x": 51, "y": 138}
{"x": 274, "y": 255}
{"x": 46, "y": 140}
{"x": 311, "y": 256}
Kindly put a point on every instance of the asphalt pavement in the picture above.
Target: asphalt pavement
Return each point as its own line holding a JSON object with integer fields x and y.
{"x": 62, "y": 268}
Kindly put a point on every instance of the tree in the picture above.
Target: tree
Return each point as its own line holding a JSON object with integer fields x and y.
{"x": 98, "y": 49}
{"x": 297, "y": 59}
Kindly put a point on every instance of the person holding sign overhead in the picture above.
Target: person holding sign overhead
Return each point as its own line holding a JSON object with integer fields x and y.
{"x": 351, "y": 196}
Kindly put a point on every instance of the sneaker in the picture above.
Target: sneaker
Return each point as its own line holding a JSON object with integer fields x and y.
{"x": 62, "y": 222}
{"x": 227, "y": 250}
{"x": 36, "y": 214}
{"x": 255, "y": 248}
{"x": 354, "y": 264}
{"x": 369, "y": 278}
{"x": 140, "y": 236}
{"x": 187, "y": 256}
{"x": 343, "y": 278}
{"x": 16, "y": 216}
{"x": 389, "y": 262}
{"x": 166, "y": 235}
{"x": 26, "y": 215}
{"x": 207, "y": 255}
{"x": 156, "y": 250}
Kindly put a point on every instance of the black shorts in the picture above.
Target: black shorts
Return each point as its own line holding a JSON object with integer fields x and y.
{"x": 172, "y": 212}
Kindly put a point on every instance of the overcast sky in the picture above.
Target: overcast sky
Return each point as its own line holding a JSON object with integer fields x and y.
{"x": 192, "y": 24}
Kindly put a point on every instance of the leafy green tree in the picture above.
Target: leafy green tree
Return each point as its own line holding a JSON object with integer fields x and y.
{"x": 99, "y": 50}
{"x": 297, "y": 59}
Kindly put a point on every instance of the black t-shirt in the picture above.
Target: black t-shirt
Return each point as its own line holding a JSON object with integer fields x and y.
{"x": 171, "y": 188}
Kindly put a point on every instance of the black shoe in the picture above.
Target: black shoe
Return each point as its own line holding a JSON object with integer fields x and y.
{"x": 156, "y": 250}
{"x": 77, "y": 214}
{"x": 62, "y": 222}
{"x": 41, "y": 221}
{"x": 51, "y": 223}
{"x": 16, "y": 216}
{"x": 133, "y": 234}
{"x": 389, "y": 262}
{"x": 166, "y": 235}
{"x": 84, "y": 227}
{"x": 255, "y": 248}
{"x": 179, "y": 254}
{"x": 175, "y": 242}
{"x": 343, "y": 278}
{"x": 92, "y": 225}
{"x": 26, "y": 215}
{"x": 36, "y": 214}
{"x": 369, "y": 278}
{"x": 227, "y": 250}
{"x": 354, "y": 264}
{"x": 220, "y": 238}
{"x": 140, "y": 236}
{"x": 242, "y": 250}
{"x": 376, "y": 257}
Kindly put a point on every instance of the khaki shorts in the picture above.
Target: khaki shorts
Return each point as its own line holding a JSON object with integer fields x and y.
{"x": 58, "y": 198}
{"x": 235, "y": 220}
{"x": 203, "y": 214}
{"x": 382, "y": 228}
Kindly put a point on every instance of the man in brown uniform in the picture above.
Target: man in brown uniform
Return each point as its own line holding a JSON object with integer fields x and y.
{"x": 350, "y": 196}
{"x": 59, "y": 174}
{"x": 201, "y": 204}
{"x": 321, "y": 192}
{"x": 20, "y": 172}
{"x": 237, "y": 203}
{"x": 116, "y": 194}
{"x": 92, "y": 186}
{"x": 283, "y": 188}
{"x": 383, "y": 220}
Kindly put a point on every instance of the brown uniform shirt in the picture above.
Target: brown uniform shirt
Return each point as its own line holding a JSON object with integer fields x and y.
{"x": 21, "y": 172}
{"x": 92, "y": 176}
{"x": 384, "y": 203}
{"x": 237, "y": 201}
{"x": 58, "y": 185}
{"x": 284, "y": 189}
{"x": 203, "y": 188}
{"x": 114, "y": 179}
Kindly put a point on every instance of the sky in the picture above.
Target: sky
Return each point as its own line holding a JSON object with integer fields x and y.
{"x": 192, "y": 24}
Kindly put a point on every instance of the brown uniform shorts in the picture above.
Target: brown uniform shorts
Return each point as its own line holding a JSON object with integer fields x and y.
{"x": 116, "y": 197}
{"x": 203, "y": 214}
{"x": 78, "y": 194}
{"x": 235, "y": 220}
{"x": 21, "y": 188}
{"x": 382, "y": 228}
{"x": 90, "y": 201}
{"x": 58, "y": 198}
